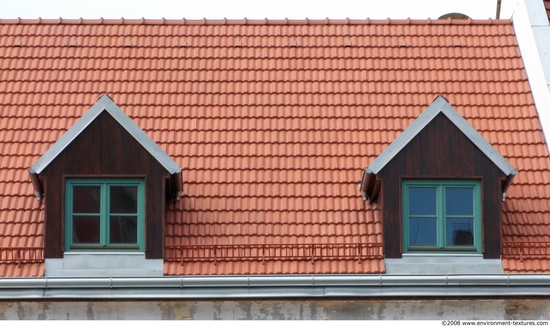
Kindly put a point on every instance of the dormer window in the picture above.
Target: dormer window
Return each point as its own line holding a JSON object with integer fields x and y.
{"x": 428, "y": 185}
{"x": 105, "y": 184}
{"x": 441, "y": 215}
{"x": 104, "y": 214}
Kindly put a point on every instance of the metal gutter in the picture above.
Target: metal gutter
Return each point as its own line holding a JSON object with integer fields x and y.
{"x": 267, "y": 286}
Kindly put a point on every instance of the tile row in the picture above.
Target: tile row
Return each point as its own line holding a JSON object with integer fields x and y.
{"x": 229, "y": 27}
{"x": 339, "y": 266}
{"x": 114, "y": 78}
{"x": 261, "y": 87}
{"x": 125, "y": 51}
{"x": 21, "y": 270}
{"x": 367, "y": 40}
{"x": 259, "y": 190}
{"x": 259, "y": 229}
{"x": 526, "y": 265}
{"x": 34, "y": 215}
{"x": 209, "y": 28}
{"x": 497, "y": 116}
{"x": 275, "y": 204}
{"x": 263, "y": 99}
{"x": 16, "y": 230}
{"x": 533, "y": 205}
{"x": 22, "y": 241}
{"x": 180, "y": 216}
{"x": 528, "y": 232}
{"x": 181, "y": 137}
{"x": 252, "y": 240}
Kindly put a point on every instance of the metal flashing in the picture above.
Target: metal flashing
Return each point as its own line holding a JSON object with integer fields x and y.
{"x": 275, "y": 286}
{"x": 105, "y": 103}
{"x": 440, "y": 105}
{"x": 97, "y": 264}
{"x": 423, "y": 264}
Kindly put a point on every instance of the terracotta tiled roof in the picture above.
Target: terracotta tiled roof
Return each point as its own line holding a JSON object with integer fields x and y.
{"x": 272, "y": 123}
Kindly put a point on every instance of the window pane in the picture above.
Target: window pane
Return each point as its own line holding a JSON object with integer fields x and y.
{"x": 422, "y": 201}
{"x": 123, "y": 199}
{"x": 86, "y": 199}
{"x": 460, "y": 232}
{"x": 422, "y": 231}
{"x": 123, "y": 229}
{"x": 86, "y": 229}
{"x": 459, "y": 201}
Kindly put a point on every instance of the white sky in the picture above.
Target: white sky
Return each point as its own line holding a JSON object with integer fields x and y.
{"x": 252, "y": 9}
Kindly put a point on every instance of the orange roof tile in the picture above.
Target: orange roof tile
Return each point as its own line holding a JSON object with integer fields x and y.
{"x": 272, "y": 122}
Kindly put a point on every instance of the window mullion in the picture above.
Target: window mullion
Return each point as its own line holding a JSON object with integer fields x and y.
{"x": 406, "y": 224}
{"x": 104, "y": 214}
{"x": 441, "y": 216}
{"x": 141, "y": 213}
{"x": 69, "y": 217}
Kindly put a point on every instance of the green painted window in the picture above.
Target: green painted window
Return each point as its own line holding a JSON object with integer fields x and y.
{"x": 104, "y": 214}
{"x": 441, "y": 215}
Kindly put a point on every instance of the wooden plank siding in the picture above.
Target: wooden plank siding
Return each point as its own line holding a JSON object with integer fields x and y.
{"x": 104, "y": 149}
{"x": 441, "y": 151}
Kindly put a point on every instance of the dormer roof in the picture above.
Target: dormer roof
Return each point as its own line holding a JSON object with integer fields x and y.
{"x": 440, "y": 105}
{"x": 105, "y": 104}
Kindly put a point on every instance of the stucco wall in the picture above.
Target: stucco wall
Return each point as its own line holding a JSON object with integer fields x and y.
{"x": 280, "y": 309}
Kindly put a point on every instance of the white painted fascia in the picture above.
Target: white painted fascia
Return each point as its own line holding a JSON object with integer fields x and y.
{"x": 440, "y": 105}
{"x": 533, "y": 35}
{"x": 105, "y": 104}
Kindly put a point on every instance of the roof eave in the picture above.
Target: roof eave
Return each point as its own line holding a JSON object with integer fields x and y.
{"x": 105, "y": 103}
{"x": 276, "y": 286}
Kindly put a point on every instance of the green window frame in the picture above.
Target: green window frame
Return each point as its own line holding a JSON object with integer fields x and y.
{"x": 104, "y": 213}
{"x": 441, "y": 215}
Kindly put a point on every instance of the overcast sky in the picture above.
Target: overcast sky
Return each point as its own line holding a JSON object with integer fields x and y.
{"x": 252, "y": 9}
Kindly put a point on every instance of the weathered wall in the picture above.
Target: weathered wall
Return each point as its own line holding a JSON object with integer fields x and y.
{"x": 280, "y": 309}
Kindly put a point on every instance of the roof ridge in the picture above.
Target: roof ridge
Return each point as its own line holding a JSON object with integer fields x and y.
{"x": 246, "y": 21}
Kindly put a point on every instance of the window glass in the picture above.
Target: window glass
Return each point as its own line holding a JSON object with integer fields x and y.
{"x": 423, "y": 231}
{"x": 123, "y": 199}
{"x": 459, "y": 201}
{"x": 422, "y": 201}
{"x": 86, "y": 199}
{"x": 86, "y": 229}
{"x": 460, "y": 232}
{"x": 123, "y": 229}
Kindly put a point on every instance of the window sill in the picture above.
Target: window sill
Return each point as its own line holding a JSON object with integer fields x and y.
{"x": 470, "y": 253}
{"x": 103, "y": 263}
{"x": 78, "y": 252}
{"x": 443, "y": 264}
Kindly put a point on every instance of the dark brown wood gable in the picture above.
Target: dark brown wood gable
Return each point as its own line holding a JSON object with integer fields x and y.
{"x": 104, "y": 149}
{"x": 441, "y": 151}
